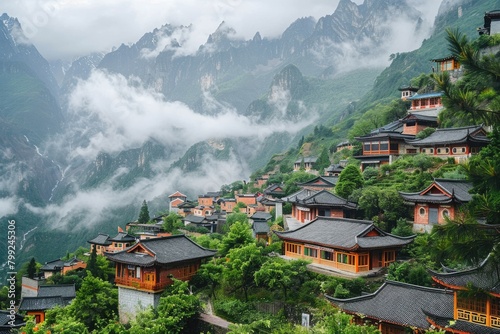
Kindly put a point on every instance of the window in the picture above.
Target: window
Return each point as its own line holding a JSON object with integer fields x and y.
{"x": 310, "y": 252}
{"x": 363, "y": 259}
{"x": 394, "y": 146}
{"x": 431, "y": 150}
{"x": 375, "y": 146}
{"x": 421, "y": 212}
{"x": 445, "y": 213}
{"x": 472, "y": 304}
{"x": 366, "y": 147}
{"x": 389, "y": 256}
{"x": 384, "y": 145}
{"x": 326, "y": 255}
{"x": 345, "y": 258}
{"x": 293, "y": 248}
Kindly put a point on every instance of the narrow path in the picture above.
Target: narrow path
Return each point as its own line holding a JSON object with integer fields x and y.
{"x": 209, "y": 317}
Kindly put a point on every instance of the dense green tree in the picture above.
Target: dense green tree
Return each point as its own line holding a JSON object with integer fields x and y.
{"x": 233, "y": 218}
{"x": 171, "y": 222}
{"x": 31, "y": 271}
{"x": 92, "y": 263}
{"x": 144, "y": 213}
{"x": 95, "y": 304}
{"x": 349, "y": 180}
{"x": 323, "y": 160}
{"x": 239, "y": 235}
{"x": 210, "y": 274}
{"x": 278, "y": 273}
{"x": 241, "y": 266}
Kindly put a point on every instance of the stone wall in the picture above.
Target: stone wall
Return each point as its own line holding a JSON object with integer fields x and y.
{"x": 131, "y": 302}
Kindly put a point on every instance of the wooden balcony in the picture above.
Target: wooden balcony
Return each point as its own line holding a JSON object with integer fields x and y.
{"x": 140, "y": 285}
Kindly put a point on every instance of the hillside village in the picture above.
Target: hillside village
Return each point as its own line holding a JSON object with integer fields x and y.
{"x": 349, "y": 248}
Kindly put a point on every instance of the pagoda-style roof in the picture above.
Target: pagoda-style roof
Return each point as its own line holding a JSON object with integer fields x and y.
{"x": 400, "y": 303}
{"x": 186, "y": 205}
{"x": 320, "y": 181}
{"x": 57, "y": 265}
{"x": 449, "y": 325}
{"x": 344, "y": 233}
{"x": 261, "y": 216}
{"x": 421, "y": 118}
{"x": 6, "y": 324}
{"x": 177, "y": 194}
{"x": 122, "y": 237}
{"x": 194, "y": 219}
{"x": 486, "y": 276}
{"x": 62, "y": 290}
{"x": 260, "y": 227}
{"x": 442, "y": 59}
{"x": 441, "y": 191}
{"x": 275, "y": 189}
{"x": 161, "y": 251}
{"x": 475, "y": 134}
{"x": 324, "y": 198}
{"x": 410, "y": 88}
{"x": 334, "y": 168}
{"x": 102, "y": 239}
{"x": 425, "y": 96}
{"x": 306, "y": 160}
{"x": 41, "y": 303}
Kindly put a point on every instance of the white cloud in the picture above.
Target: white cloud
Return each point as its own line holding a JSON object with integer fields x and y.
{"x": 115, "y": 114}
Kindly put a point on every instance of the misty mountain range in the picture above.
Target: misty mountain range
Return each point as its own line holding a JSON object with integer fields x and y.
{"x": 83, "y": 144}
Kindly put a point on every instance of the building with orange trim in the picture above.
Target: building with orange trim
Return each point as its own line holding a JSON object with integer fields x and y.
{"x": 144, "y": 270}
{"x": 475, "y": 311}
{"x": 103, "y": 243}
{"x": 349, "y": 245}
{"x": 60, "y": 266}
{"x": 48, "y": 296}
{"x": 309, "y": 204}
{"x": 398, "y": 308}
{"x": 175, "y": 200}
{"x": 438, "y": 201}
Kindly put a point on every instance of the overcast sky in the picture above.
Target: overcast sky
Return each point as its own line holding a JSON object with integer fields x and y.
{"x": 70, "y": 28}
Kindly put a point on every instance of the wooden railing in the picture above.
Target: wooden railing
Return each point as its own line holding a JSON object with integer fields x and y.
{"x": 495, "y": 321}
{"x": 136, "y": 283}
{"x": 471, "y": 316}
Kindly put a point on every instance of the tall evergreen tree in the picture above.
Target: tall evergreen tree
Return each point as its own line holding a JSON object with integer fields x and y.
{"x": 92, "y": 263}
{"x": 31, "y": 272}
{"x": 144, "y": 213}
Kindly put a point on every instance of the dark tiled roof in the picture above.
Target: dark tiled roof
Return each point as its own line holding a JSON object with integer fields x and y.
{"x": 194, "y": 219}
{"x": 122, "y": 237}
{"x": 400, "y": 303}
{"x": 41, "y": 303}
{"x": 260, "y": 227}
{"x": 63, "y": 290}
{"x": 462, "y": 326}
{"x": 101, "y": 239}
{"x": 5, "y": 319}
{"x": 308, "y": 197}
{"x": 334, "y": 168}
{"x": 165, "y": 250}
{"x": 53, "y": 265}
{"x": 455, "y": 190}
{"x": 344, "y": 233}
{"x": 486, "y": 276}
{"x": 326, "y": 181}
{"x": 452, "y": 136}
{"x": 425, "y": 96}
{"x": 274, "y": 188}
{"x": 261, "y": 216}
{"x": 420, "y": 117}
{"x": 308, "y": 160}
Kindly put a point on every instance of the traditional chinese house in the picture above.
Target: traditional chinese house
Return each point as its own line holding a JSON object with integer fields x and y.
{"x": 144, "y": 270}
{"x": 398, "y": 308}
{"x": 445, "y": 64}
{"x": 48, "y": 296}
{"x": 383, "y": 145}
{"x": 348, "y": 245}
{"x": 407, "y": 92}
{"x": 320, "y": 183}
{"x": 476, "y": 302}
{"x": 307, "y": 163}
{"x": 60, "y": 266}
{"x": 103, "y": 243}
{"x": 175, "y": 200}
{"x": 334, "y": 170}
{"x": 441, "y": 199}
{"x": 309, "y": 204}
{"x": 457, "y": 143}
{"x": 426, "y": 101}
